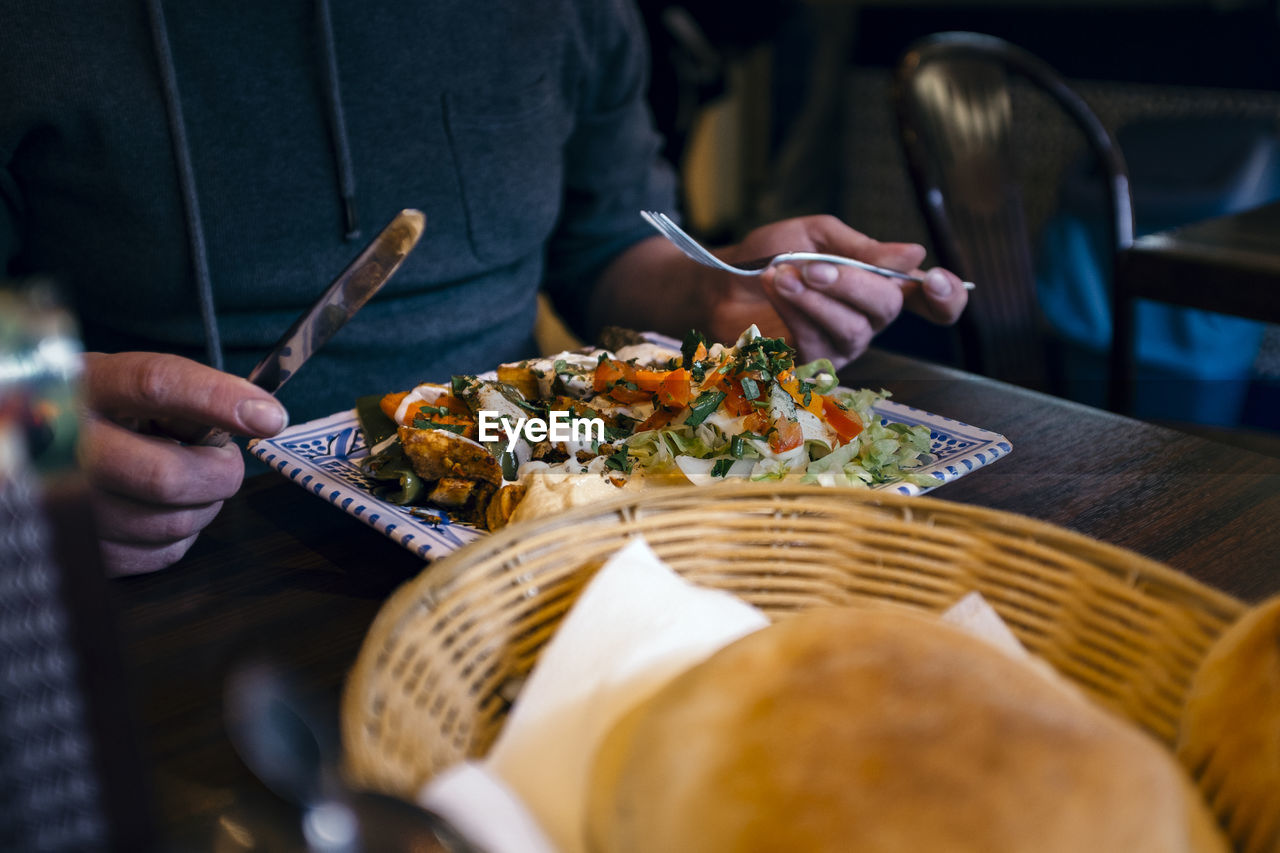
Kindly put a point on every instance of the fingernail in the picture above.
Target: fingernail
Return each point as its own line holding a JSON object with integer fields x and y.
{"x": 787, "y": 281}
{"x": 821, "y": 274}
{"x": 263, "y": 417}
{"x": 937, "y": 284}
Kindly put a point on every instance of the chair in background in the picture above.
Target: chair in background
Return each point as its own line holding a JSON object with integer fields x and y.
{"x": 955, "y": 111}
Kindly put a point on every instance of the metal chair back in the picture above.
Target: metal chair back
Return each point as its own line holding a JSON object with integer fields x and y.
{"x": 956, "y": 118}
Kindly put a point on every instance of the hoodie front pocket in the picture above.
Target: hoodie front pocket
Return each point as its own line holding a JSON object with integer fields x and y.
{"x": 507, "y": 149}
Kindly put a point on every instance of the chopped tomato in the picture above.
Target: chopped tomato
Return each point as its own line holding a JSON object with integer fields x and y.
{"x": 843, "y": 421}
{"x": 735, "y": 400}
{"x": 785, "y": 436}
{"x": 757, "y": 422}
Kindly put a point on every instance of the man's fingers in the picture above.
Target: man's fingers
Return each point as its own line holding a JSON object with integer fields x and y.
{"x": 941, "y": 299}
{"x": 822, "y": 325}
{"x": 157, "y": 470}
{"x": 903, "y": 257}
{"x": 833, "y": 235}
{"x": 132, "y": 559}
{"x": 126, "y": 521}
{"x": 154, "y": 385}
{"x": 877, "y": 298}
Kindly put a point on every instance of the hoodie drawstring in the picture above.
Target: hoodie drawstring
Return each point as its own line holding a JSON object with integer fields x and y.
{"x": 186, "y": 183}
{"x": 337, "y": 120}
{"x": 332, "y": 94}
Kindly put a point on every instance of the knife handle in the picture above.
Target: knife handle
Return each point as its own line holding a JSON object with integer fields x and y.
{"x": 212, "y": 437}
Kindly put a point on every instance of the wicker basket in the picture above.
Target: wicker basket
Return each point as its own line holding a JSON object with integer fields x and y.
{"x": 447, "y": 651}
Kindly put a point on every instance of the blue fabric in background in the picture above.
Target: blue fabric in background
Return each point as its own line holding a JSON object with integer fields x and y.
{"x": 1191, "y": 365}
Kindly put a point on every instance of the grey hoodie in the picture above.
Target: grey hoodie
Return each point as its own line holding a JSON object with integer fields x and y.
{"x": 194, "y": 172}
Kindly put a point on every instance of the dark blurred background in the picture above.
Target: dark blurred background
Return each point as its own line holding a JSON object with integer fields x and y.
{"x": 782, "y": 108}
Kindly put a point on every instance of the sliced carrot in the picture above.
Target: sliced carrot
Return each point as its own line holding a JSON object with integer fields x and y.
{"x": 674, "y": 392}
{"x": 455, "y": 405}
{"x": 390, "y": 403}
{"x": 628, "y": 383}
{"x": 648, "y": 380}
{"x": 609, "y": 373}
{"x": 791, "y": 385}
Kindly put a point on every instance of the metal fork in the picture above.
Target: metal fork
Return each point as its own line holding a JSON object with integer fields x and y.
{"x": 696, "y": 251}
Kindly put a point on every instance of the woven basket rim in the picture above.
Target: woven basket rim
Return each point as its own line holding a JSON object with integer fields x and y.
{"x": 450, "y": 569}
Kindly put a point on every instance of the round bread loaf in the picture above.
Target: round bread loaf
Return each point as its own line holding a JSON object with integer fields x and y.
{"x": 1231, "y": 728}
{"x": 842, "y": 729}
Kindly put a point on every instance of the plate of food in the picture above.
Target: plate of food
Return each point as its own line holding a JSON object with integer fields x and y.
{"x": 436, "y": 466}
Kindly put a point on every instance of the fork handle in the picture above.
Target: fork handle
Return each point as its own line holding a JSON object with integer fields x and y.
{"x": 841, "y": 260}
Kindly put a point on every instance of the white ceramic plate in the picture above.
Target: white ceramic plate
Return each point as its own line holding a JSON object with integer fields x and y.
{"x": 323, "y": 456}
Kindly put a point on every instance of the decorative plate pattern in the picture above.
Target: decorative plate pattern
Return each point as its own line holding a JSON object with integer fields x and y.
{"x": 323, "y": 456}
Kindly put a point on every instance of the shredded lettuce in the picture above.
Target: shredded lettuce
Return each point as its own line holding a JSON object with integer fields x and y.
{"x": 657, "y": 448}
{"x": 881, "y": 453}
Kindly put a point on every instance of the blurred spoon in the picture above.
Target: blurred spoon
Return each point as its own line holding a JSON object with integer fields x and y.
{"x": 289, "y": 746}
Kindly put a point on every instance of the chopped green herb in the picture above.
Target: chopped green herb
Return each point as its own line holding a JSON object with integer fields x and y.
{"x": 619, "y": 461}
{"x": 703, "y": 406}
{"x": 750, "y": 389}
{"x": 690, "y": 346}
{"x": 721, "y": 468}
{"x": 427, "y": 423}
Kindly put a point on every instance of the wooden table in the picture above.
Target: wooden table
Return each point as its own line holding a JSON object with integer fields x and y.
{"x": 1230, "y": 264}
{"x": 283, "y": 573}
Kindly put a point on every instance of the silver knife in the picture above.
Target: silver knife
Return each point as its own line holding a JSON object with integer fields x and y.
{"x": 348, "y": 293}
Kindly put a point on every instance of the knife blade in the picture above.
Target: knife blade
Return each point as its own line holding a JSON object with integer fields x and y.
{"x": 348, "y": 293}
